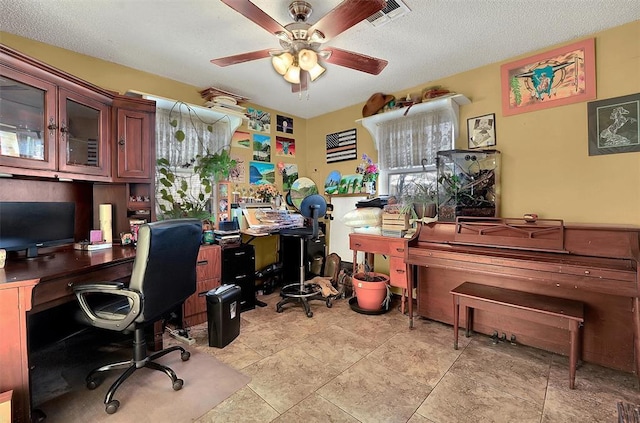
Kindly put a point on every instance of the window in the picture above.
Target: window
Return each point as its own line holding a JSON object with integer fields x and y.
{"x": 202, "y": 134}
{"x": 408, "y": 146}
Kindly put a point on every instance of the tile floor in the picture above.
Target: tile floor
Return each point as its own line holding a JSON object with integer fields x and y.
{"x": 342, "y": 366}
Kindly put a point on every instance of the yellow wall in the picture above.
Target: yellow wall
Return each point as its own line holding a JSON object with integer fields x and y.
{"x": 546, "y": 168}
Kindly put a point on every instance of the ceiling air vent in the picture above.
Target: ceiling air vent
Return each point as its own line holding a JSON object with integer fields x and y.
{"x": 393, "y": 10}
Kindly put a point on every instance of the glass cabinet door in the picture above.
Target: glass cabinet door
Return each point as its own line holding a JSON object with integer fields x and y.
{"x": 83, "y": 137}
{"x": 27, "y": 121}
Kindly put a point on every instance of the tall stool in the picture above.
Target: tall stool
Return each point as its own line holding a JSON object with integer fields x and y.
{"x": 313, "y": 206}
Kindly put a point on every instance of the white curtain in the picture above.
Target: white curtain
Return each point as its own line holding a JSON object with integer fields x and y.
{"x": 403, "y": 143}
{"x": 198, "y": 139}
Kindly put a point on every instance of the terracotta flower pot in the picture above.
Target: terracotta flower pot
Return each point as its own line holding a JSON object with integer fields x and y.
{"x": 371, "y": 289}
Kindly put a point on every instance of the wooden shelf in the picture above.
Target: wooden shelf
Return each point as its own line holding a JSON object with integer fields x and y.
{"x": 452, "y": 102}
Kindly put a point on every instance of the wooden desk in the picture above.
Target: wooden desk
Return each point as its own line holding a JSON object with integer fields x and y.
{"x": 30, "y": 286}
{"x": 401, "y": 274}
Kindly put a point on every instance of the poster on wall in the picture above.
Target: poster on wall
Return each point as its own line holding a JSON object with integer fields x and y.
{"x": 289, "y": 175}
{"x": 284, "y": 124}
{"x": 558, "y": 77}
{"x": 241, "y": 139}
{"x": 614, "y": 125}
{"x": 261, "y": 148}
{"x": 342, "y": 146}
{"x": 262, "y": 173}
{"x": 285, "y": 147}
{"x": 238, "y": 174}
{"x": 259, "y": 121}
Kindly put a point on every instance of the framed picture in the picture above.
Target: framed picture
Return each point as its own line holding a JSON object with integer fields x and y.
{"x": 482, "y": 131}
{"x": 558, "y": 77}
{"x": 613, "y": 125}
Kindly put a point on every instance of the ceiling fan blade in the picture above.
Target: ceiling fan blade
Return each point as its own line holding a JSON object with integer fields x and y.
{"x": 241, "y": 58}
{"x": 304, "y": 82}
{"x": 257, "y": 15}
{"x": 357, "y": 61}
{"x": 345, "y": 15}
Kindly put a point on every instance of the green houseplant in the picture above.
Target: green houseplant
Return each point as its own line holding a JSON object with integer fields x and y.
{"x": 419, "y": 200}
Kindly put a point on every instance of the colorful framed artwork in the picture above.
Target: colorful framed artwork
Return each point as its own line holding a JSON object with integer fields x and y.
{"x": 289, "y": 175}
{"x": 285, "y": 147}
{"x": 259, "y": 120}
{"x": 262, "y": 173}
{"x": 284, "y": 124}
{"x": 332, "y": 183}
{"x": 614, "y": 125}
{"x": 238, "y": 174}
{"x": 241, "y": 139}
{"x": 558, "y": 77}
{"x": 350, "y": 184}
{"x": 482, "y": 131}
{"x": 261, "y": 148}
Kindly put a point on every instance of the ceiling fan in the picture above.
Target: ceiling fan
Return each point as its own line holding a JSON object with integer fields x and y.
{"x": 301, "y": 42}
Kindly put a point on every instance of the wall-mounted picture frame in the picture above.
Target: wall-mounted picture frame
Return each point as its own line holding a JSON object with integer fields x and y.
{"x": 557, "y": 77}
{"x": 614, "y": 125}
{"x": 482, "y": 131}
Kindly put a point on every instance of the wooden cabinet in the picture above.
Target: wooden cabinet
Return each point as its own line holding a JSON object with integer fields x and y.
{"x": 134, "y": 154}
{"x": 52, "y": 124}
{"x": 208, "y": 274}
{"x": 134, "y": 140}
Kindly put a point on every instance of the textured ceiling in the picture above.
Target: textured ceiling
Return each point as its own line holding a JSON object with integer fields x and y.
{"x": 177, "y": 38}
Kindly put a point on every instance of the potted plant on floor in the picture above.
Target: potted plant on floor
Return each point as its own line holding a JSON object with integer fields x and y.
{"x": 371, "y": 289}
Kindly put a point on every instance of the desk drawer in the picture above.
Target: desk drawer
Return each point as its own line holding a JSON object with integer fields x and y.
{"x": 208, "y": 264}
{"x": 369, "y": 243}
{"x": 57, "y": 291}
{"x": 397, "y": 272}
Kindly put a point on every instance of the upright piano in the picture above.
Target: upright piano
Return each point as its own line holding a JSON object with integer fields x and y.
{"x": 595, "y": 264}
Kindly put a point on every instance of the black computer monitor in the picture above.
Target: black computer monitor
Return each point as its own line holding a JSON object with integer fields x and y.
{"x": 27, "y": 226}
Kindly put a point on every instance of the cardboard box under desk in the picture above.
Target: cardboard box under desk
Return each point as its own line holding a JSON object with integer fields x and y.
{"x": 395, "y": 221}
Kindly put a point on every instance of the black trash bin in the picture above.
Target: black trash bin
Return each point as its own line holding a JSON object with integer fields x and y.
{"x": 223, "y": 315}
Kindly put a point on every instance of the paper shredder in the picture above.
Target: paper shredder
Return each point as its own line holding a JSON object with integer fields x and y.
{"x": 223, "y": 315}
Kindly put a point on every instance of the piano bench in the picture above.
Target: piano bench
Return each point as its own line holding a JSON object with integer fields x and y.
{"x": 552, "y": 311}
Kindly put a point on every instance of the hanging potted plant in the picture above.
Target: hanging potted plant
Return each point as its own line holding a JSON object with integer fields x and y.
{"x": 419, "y": 200}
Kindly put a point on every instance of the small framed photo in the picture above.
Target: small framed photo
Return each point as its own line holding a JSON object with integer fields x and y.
{"x": 614, "y": 125}
{"x": 482, "y": 131}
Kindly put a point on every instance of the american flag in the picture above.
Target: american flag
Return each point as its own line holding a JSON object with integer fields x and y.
{"x": 342, "y": 146}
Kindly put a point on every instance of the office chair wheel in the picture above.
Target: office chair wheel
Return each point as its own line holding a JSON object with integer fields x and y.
{"x": 93, "y": 383}
{"x": 112, "y": 406}
{"x": 185, "y": 355}
{"x": 329, "y": 303}
{"x": 279, "y": 309}
{"x": 177, "y": 384}
{"x": 309, "y": 313}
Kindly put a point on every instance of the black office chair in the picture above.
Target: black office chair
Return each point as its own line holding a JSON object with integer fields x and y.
{"x": 163, "y": 277}
{"x": 313, "y": 206}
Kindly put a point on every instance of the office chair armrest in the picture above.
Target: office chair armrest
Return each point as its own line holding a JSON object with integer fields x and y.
{"x": 113, "y": 321}
{"x": 106, "y": 287}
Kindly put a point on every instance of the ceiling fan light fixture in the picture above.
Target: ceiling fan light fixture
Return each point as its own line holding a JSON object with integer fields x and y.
{"x": 315, "y": 72}
{"x": 282, "y": 62}
{"x": 293, "y": 75}
{"x": 307, "y": 59}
